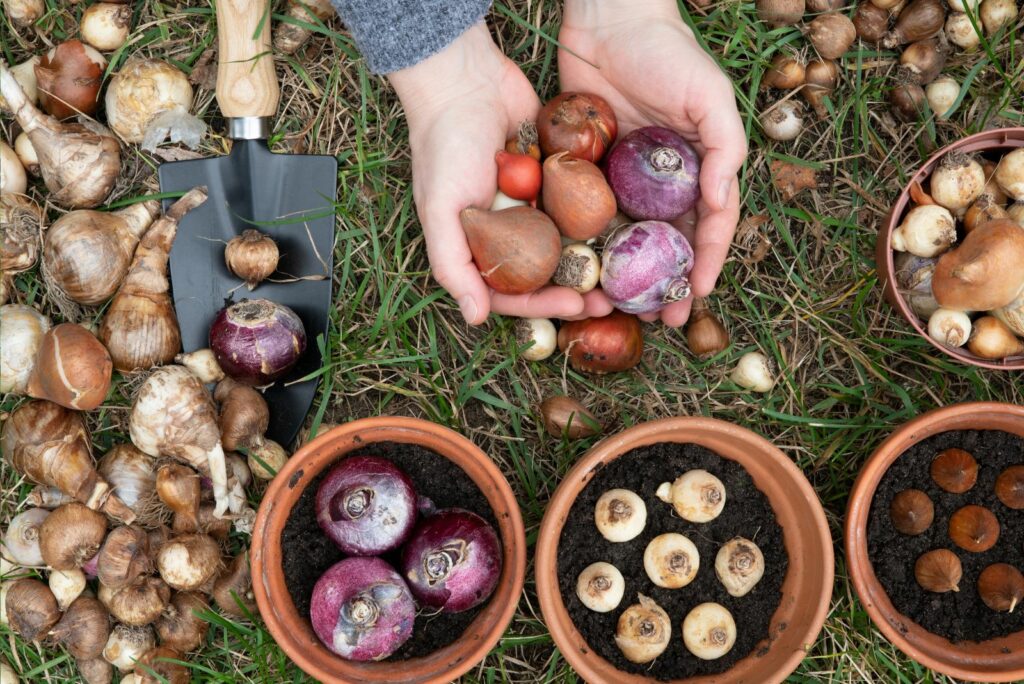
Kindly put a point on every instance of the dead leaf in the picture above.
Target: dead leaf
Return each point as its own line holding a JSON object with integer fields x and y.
{"x": 792, "y": 179}
{"x": 171, "y": 154}
{"x": 204, "y": 73}
{"x": 750, "y": 237}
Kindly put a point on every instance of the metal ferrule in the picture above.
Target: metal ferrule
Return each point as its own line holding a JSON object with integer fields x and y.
{"x": 249, "y": 127}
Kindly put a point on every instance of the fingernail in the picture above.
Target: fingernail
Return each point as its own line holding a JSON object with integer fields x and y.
{"x": 723, "y": 193}
{"x": 468, "y": 307}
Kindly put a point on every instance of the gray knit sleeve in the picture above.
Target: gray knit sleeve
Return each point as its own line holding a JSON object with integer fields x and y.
{"x": 394, "y": 34}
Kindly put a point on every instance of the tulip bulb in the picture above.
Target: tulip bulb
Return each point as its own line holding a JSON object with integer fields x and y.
{"x": 73, "y": 369}
{"x": 926, "y": 231}
{"x": 620, "y": 515}
{"x": 938, "y": 571}
{"x": 1001, "y": 587}
{"x": 600, "y": 587}
{"x": 564, "y": 416}
{"x": 992, "y": 339}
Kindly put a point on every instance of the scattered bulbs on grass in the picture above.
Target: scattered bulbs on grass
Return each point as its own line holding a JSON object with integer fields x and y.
{"x": 69, "y": 78}
{"x": 71, "y": 535}
{"x": 188, "y": 562}
{"x": 608, "y": 344}
{"x": 32, "y": 609}
{"x": 620, "y": 515}
{"x": 233, "y": 589}
{"x": 739, "y": 566}
{"x": 709, "y": 631}
{"x": 696, "y": 495}
{"x": 752, "y": 372}
{"x": 705, "y": 334}
{"x": 938, "y": 571}
{"x": 600, "y": 587}
{"x": 643, "y": 631}
{"x": 671, "y": 560}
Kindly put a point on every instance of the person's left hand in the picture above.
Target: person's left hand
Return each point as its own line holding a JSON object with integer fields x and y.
{"x": 652, "y": 71}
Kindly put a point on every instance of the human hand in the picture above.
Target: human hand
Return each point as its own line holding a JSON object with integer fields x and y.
{"x": 462, "y": 104}
{"x": 651, "y": 71}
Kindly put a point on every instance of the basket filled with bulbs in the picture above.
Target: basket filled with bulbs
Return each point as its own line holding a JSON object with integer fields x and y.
{"x": 684, "y": 549}
{"x": 951, "y": 254}
{"x": 933, "y": 540}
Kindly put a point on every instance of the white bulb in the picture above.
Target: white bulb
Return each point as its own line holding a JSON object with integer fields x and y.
{"x": 600, "y": 587}
{"x": 620, "y": 515}
{"x": 671, "y": 560}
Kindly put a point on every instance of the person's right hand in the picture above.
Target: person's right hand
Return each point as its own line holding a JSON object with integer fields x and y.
{"x": 462, "y": 104}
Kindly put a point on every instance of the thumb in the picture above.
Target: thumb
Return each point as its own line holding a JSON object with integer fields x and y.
{"x": 452, "y": 266}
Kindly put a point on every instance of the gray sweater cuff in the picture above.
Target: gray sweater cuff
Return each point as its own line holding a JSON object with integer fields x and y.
{"x": 394, "y": 34}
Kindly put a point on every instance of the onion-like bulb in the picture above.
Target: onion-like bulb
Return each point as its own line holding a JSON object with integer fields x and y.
{"x": 140, "y": 327}
{"x": 188, "y": 562}
{"x": 753, "y": 372}
{"x": 124, "y": 556}
{"x": 620, "y": 515}
{"x": 244, "y": 415}
{"x": 26, "y": 154}
{"x": 31, "y": 608}
{"x": 72, "y": 368}
{"x": 173, "y": 415}
{"x": 179, "y": 627}
{"x": 927, "y": 231}
{"x": 957, "y": 182}
{"x": 671, "y": 560}
{"x": 739, "y": 566}
{"x": 66, "y": 585}
{"x": 13, "y": 179}
{"x": 1010, "y": 174}
{"x": 70, "y": 76}
{"x": 78, "y": 165}
{"x": 600, "y": 587}
{"x": 203, "y": 364}
{"x": 166, "y": 664}
{"x": 992, "y": 339}
{"x": 643, "y": 631}
{"x": 21, "y": 333}
{"x": 23, "y": 13}
{"x": 961, "y": 32}
{"x": 23, "y": 223}
{"x": 783, "y": 121}
{"x": 233, "y": 589}
{"x": 709, "y": 631}
{"x": 139, "y": 603}
{"x": 948, "y": 327}
{"x": 252, "y": 256}
{"x": 25, "y": 75}
{"x": 84, "y": 628}
{"x": 697, "y": 496}
{"x": 126, "y": 645}
{"x": 71, "y": 535}
{"x": 21, "y": 540}
{"x": 131, "y": 473}
{"x": 540, "y": 334}
{"x": 47, "y": 497}
{"x": 179, "y": 489}
{"x": 288, "y": 36}
{"x": 149, "y": 99}
{"x": 105, "y": 25}
{"x": 267, "y": 459}
{"x": 7, "y": 673}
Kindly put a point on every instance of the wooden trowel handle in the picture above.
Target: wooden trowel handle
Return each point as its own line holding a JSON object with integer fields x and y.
{"x": 246, "y": 80}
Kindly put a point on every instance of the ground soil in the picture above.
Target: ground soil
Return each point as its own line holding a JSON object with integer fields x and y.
{"x": 961, "y": 615}
{"x": 308, "y": 553}
{"x": 747, "y": 513}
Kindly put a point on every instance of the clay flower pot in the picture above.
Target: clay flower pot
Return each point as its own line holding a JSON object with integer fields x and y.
{"x": 1005, "y": 140}
{"x": 293, "y": 632}
{"x": 995, "y": 660}
{"x": 805, "y": 592}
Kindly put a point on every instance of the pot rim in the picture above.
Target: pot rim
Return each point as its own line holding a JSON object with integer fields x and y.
{"x": 1010, "y": 137}
{"x": 896, "y": 627}
{"x": 684, "y": 429}
{"x": 276, "y": 606}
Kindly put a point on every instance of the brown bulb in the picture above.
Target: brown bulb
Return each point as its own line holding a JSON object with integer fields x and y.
{"x": 1010, "y": 487}
{"x": 705, "y": 334}
{"x": 31, "y": 608}
{"x": 821, "y": 78}
{"x": 566, "y": 417}
{"x": 907, "y": 100}
{"x": 785, "y": 73}
{"x": 938, "y": 571}
{"x": 974, "y": 528}
{"x": 871, "y": 22}
{"x": 1001, "y": 587}
{"x": 954, "y": 470}
{"x": 911, "y": 511}
{"x": 777, "y": 13}
{"x": 831, "y": 35}
{"x": 252, "y": 256}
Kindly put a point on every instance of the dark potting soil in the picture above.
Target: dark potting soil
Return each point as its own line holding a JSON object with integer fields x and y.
{"x": 960, "y": 615}
{"x": 307, "y": 552}
{"x": 747, "y": 513}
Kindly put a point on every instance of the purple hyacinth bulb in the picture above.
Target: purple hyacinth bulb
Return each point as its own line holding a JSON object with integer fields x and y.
{"x": 644, "y": 266}
{"x": 654, "y": 173}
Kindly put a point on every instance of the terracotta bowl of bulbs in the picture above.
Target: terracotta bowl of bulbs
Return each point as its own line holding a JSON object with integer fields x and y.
{"x": 995, "y": 660}
{"x": 806, "y": 590}
{"x": 997, "y": 141}
{"x": 294, "y": 633}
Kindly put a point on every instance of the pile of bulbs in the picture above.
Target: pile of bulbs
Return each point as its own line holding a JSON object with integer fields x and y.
{"x": 671, "y": 561}
{"x": 960, "y": 254}
{"x": 972, "y": 528}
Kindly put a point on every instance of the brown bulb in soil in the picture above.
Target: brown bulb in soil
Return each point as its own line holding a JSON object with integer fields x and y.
{"x": 1010, "y": 487}
{"x": 564, "y": 416}
{"x": 912, "y": 511}
{"x": 871, "y": 22}
{"x": 831, "y": 35}
{"x": 938, "y": 571}
{"x": 778, "y": 13}
{"x": 954, "y": 470}
{"x": 71, "y": 535}
{"x": 974, "y": 528}
{"x": 31, "y": 608}
{"x": 84, "y": 628}
{"x": 1001, "y": 587}
{"x": 785, "y": 73}
{"x": 252, "y": 256}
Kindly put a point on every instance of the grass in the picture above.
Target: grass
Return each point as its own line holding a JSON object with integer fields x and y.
{"x": 801, "y": 287}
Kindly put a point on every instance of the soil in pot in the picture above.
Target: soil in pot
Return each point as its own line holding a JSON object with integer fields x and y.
{"x": 959, "y": 615}
{"x": 308, "y": 553}
{"x": 747, "y": 513}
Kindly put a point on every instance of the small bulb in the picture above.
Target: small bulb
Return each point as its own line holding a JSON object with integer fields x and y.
{"x": 620, "y": 515}
{"x": 974, "y": 528}
{"x": 1010, "y": 487}
{"x": 600, "y": 587}
{"x": 709, "y": 631}
{"x": 927, "y": 231}
{"x": 753, "y": 373}
{"x": 66, "y": 585}
{"x": 739, "y": 566}
{"x": 697, "y": 495}
{"x": 579, "y": 268}
{"x": 948, "y": 327}
{"x": 643, "y": 631}
{"x": 1001, "y": 587}
{"x": 912, "y": 512}
{"x": 938, "y": 571}
{"x": 671, "y": 560}
{"x": 539, "y": 331}
{"x": 954, "y": 470}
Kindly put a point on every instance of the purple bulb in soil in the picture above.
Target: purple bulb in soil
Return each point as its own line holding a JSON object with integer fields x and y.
{"x": 452, "y": 561}
{"x": 654, "y": 173}
{"x": 362, "y": 610}
{"x": 644, "y": 266}
{"x": 366, "y": 505}
{"x": 257, "y": 341}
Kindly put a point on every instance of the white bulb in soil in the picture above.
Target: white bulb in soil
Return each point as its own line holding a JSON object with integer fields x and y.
{"x": 620, "y": 515}
{"x": 671, "y": 560}
{"x": 600, "y": 587}
{"x": 709, "y": 631}
{"x": 739, "y": 566}
{"x": 696, "y": 495}
{"x": 643, "y": 631}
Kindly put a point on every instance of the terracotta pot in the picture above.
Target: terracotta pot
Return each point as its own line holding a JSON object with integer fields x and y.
{"x": 294, "y": 633}
{"x": 1006, "y": 139}
{"x": 996, "y": 660}
{"x": 805, "y": 591}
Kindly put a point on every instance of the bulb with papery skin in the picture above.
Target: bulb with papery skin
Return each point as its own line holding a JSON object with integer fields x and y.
{"x": 645, "y": 266}
{"x": 654, "y": 174}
